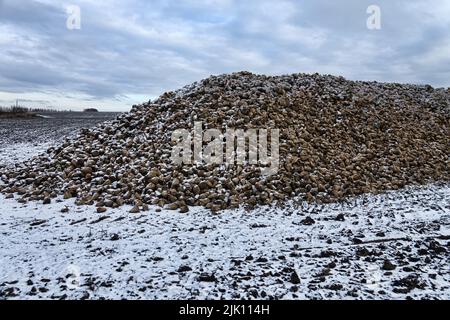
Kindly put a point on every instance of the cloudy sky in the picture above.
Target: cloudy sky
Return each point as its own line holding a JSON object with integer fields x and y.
{"x": 127, "y": 52}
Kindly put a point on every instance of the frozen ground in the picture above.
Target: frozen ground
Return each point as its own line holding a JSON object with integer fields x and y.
{"x": 388, "y": 246}
{"x": 391, "y": 246}
{"x": 15, "y": 153}
{"x": 21, "y": 139}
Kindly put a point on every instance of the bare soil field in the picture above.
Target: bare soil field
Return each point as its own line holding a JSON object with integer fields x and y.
{"x": 21, "y": 138}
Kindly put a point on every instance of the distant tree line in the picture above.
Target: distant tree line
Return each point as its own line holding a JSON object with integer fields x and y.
{"x": 20, "y": 109}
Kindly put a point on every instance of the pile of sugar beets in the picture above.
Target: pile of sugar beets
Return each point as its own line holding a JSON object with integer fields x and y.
{"x": 338, "y": 138}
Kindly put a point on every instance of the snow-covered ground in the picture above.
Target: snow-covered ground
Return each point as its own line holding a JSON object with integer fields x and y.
{"x": 15, "y": 153}
{"x": 21, "y": 139}
{"x": 309, "y": 251}
{"x": 390, "y": 246}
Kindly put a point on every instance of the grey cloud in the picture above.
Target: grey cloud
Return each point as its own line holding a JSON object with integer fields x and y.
{"x": 145, "y": 48}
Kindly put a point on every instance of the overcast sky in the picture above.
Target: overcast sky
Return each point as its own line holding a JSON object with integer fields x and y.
{"x": 128, "y": 52}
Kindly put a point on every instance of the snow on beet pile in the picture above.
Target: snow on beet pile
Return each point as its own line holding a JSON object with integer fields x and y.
{"x": 338, "y": 138}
